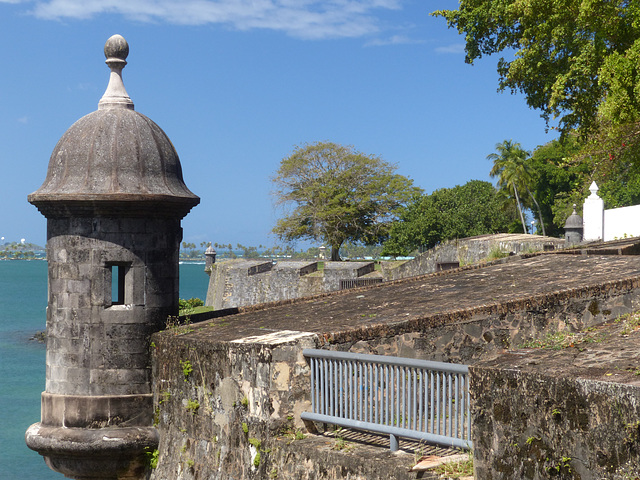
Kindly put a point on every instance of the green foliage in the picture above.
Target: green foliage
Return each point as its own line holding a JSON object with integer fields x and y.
{"x": 514, "y": 171}
{"x": 18, "y": 251}
{"x": 562, "y": 339}
{"x": 193, "y": 406}
{"x": 244, "y": 402}
{"x": 189, "y": 304}
{"x": 574, "y": 60}
{"x": 152, "y": 457}
{"x": 340, "y": 444}
{"x": 463, "y": 211}
{"x": 189, "y": 250}
{"x": 612, "y": 157}
{"x": 563, "y": 172}
{"x": 187, "y": 368}
{"x": 354, "y": 251}
{"x": 561, "y": 466}
{"x": 496, "y": 253}
{"x": 558, "y": 182}
{"x": 456, "y": 468}
{"x": 337, "y": 194}
{"x": 249, "y": 252}
{"x": 255, "y": 442}
{"x": 245, "y": 428}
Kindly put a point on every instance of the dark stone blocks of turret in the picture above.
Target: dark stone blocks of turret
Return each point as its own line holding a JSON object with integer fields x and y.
{"x": 99, "y": 325}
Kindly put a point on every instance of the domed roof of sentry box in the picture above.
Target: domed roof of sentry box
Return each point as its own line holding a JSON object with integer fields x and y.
{"x": 574, "y": 221}
{"x": 114, "y": 161}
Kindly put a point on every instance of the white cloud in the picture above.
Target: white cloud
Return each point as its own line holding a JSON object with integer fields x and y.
{"x": 455, "y": 48}
{"x": 23, "y": 120}
{"x": 393, "y": 40}
{"x": 314, "y": 19}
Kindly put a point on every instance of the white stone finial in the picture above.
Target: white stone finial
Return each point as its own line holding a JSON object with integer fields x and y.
{"x": 593, "y": 188}
{"x": 116, "y": 50}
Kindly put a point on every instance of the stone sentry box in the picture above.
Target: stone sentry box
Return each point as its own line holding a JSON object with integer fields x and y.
{"x": 114, "y": 197}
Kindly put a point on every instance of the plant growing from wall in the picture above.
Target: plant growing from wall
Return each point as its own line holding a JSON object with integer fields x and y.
{"x": 256, "y": 444}
{"x": 152, "y": 457}
{"x": 187, "y": 368}
{"x": 166, "y": 396}
{"x": 561, "y": 466}
{"x": 193, "y": 406}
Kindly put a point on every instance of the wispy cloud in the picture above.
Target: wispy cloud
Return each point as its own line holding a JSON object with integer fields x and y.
{"x": 393, "y": 40}
{"x": 311, "y": 19}
{"x": 24, "y": 120}
{"x": 455, "y": 48}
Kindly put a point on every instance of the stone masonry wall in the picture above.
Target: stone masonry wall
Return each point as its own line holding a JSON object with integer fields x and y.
{"x": 466, "y": 251}
{"x": 98, "y": 364}
{"x": 238, "y": 283}
{"x": 221, "y": 405}
{"x": 536, "y": 415}
{"x": 231, "y": 411}
{"x": 225, "y": 389}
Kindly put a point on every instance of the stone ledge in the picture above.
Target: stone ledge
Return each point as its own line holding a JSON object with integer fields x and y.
{"x": 571, "y": 412}
{"x": 315, "y": 457}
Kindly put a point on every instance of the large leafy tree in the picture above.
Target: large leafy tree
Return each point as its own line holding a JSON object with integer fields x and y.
{"x": 474, "y": 208}
{"x": 575, "y": 60}
{"x": 336, "y": 194}
{"x": 558, "y": 182}
{"x": 515, "y": 175}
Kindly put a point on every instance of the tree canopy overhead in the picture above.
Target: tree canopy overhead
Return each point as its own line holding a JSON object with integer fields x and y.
{"x": 337, "y": 194}
{"x": 575, "y": 60}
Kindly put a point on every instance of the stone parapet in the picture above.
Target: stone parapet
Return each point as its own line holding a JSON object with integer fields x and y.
{"x": 467, "y": 251}
{"x": 240, "y": 283}
{"x": 570, "y": 412}
{"x": 220, "y": 403}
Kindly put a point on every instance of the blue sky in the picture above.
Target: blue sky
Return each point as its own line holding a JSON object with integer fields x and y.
{"x": 237, "y": 84}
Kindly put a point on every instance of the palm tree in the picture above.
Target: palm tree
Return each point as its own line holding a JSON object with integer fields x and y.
{"x": 514, "y": 172}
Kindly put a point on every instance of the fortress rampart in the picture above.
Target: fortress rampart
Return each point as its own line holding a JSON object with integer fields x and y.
{"x": 249, "y": 379}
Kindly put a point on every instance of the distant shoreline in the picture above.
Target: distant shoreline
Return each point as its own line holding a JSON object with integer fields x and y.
{"x": 31, "y": 258}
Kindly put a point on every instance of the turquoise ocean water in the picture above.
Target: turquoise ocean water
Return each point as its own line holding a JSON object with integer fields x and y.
{"x": 23, "y": 299}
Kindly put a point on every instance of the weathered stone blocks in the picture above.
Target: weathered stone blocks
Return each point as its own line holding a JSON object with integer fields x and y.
{"x": 530, "y": 423}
